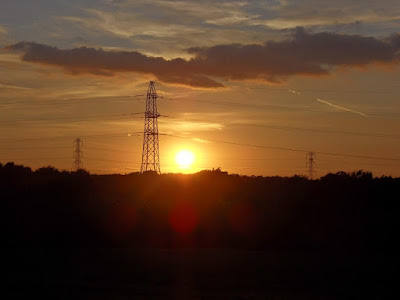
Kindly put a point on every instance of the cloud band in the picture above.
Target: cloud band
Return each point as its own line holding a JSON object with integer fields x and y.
{"x": 303, "y": 53}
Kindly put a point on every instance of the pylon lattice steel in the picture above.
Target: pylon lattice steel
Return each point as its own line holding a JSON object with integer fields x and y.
{"x": 150, "y": 154}
{"x": 310, "y": 164}
{"x": 78, "y": 154}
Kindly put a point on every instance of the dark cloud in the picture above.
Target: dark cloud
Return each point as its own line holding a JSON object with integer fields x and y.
{"x": 303, "y": 53}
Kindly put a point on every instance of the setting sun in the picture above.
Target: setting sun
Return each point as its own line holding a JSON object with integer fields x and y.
{"x": 184, "y": 159}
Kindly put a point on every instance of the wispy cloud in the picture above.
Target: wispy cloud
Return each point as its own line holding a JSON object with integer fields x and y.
{"x": 222, "y": 13}
{"x": 182, "y": 25}
{"x": 279, "y": 14}
{"x": 14, "y": 87}
{"x": 128, "y": 25}
{"x": 193, "y": 125}
{"x": 315, "y": 13}
{"x": 186, "y": 122}
{"x": 307, "y": 21}
{"x": 342, "y": 108}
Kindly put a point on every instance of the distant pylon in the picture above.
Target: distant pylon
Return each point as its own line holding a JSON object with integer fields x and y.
{"x": 310, "y": 164}
{"x": 78, "y": 154}
{"x": 150, "y": 154}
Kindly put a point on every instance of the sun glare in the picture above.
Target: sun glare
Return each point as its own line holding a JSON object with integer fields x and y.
{"x": 184, "y": 159}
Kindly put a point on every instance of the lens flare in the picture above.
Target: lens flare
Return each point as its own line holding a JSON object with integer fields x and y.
{"x": 183, "y": 217}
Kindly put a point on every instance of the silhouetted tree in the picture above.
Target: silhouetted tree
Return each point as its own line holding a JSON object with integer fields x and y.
{"x": 47, "y": 171}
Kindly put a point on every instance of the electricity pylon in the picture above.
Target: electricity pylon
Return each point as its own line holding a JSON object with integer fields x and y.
{"x": 310, "y": 164}
{"x": 78, "y": 154}
{"x": 150, "y": 154}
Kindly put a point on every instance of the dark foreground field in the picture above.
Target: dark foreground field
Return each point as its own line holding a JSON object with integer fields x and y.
{"x": 199, "y": 274}
{"x": 208, "y": 235}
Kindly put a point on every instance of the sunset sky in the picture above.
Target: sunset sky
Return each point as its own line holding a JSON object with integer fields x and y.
{"x": 247, "y": 86}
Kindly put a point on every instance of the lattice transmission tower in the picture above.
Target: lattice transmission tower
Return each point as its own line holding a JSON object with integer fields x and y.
{"x": 310, "y": 164}
{"x": 150, "y": 154}
{"x": 78, "y": 154}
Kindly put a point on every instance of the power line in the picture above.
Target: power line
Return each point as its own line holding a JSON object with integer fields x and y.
{"x": 77, "y": 118}
{"x": 289, "y": 128}
{"x": 287, "y": 149}
{"x": 111, "y": 160}
{"x": 87, "y": 148}
{"x": 34, "y": 158}
{"x": 112, "y": 135}
{"x": 66, "y": 158}
{"x": 87, "y": 118}
{"x": 262, "y": 106}
{"x": 77, "y": 101}
{"x": 214, "y": 141}
{"x": 314, "y": 90}
{"x": 280, "y": 107}
{"x": 32, "y": 148}
{"x": 115, "y": 99}
{"x": 113, "y": 150}
{"x": 132, "y": 98}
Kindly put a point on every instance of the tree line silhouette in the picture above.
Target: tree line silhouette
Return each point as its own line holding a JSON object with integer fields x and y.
{"x": 342, "y": 211}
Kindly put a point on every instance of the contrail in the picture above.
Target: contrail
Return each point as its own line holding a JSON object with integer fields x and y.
{"x": 294, "y": 92}
{"x": 343, "y": 108}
